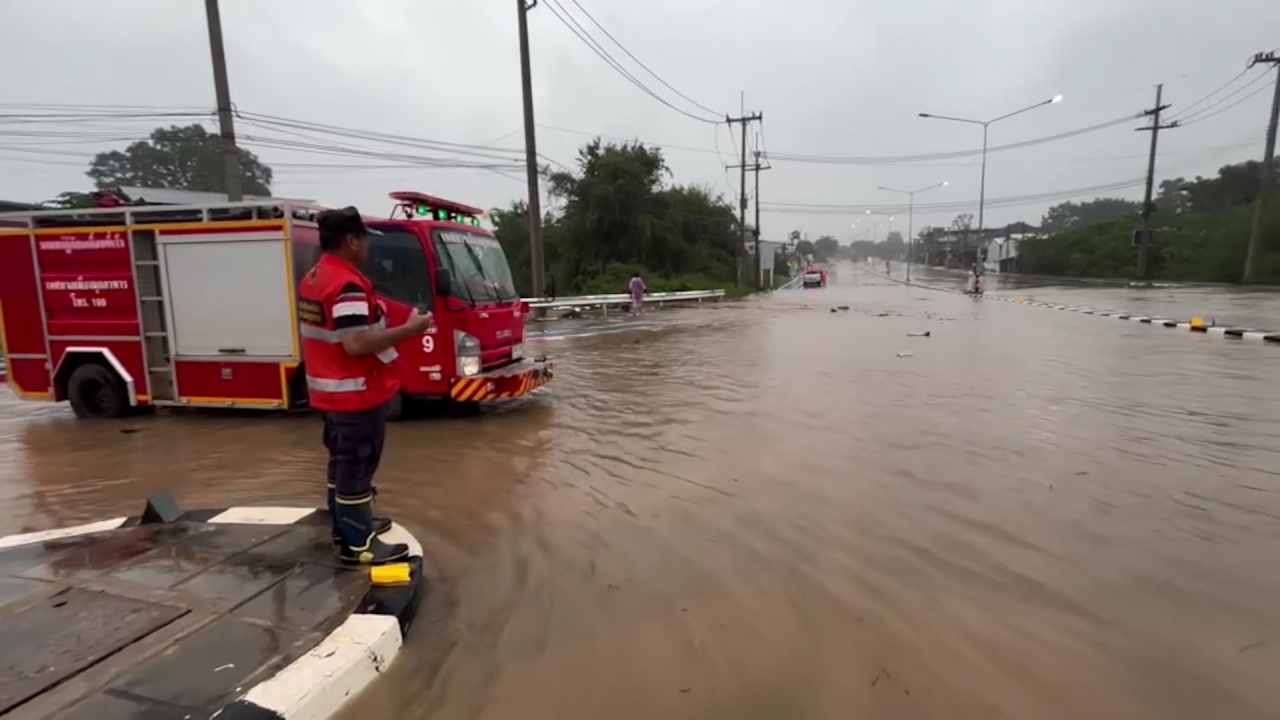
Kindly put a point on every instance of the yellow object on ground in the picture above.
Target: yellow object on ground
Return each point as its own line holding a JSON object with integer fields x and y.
{"x": 1197, "y": 322}
{"x": 393, "y": 574}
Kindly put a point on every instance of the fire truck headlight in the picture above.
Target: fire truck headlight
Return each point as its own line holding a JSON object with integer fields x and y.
{"x": 467, "y": 347}
{"x": 468, "y": 366}
{"x": 517, "y": 351}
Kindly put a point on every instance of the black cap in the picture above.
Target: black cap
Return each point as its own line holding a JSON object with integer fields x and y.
{"x": 346, "y": 221}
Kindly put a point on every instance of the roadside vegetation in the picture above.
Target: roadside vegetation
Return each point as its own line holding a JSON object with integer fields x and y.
{"x": 1202, "y": 233}
{"x": 618, "y": 212}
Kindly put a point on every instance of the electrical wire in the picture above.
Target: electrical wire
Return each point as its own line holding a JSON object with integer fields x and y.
{"x": 576, "y": 28}
{"x": 902, "y": 159}
{"x": 1013, "y": 201}
{"x": 1222, "y": 87}
{"x": 491, "y": 151}
{"x": 1199, "y": 116}
{"x": 641, "y": 64}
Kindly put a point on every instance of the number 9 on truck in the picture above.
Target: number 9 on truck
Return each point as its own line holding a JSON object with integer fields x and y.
{"x": 428, "y": 344}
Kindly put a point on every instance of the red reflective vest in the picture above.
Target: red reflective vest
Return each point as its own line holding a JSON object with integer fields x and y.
{"x": 336, "y": 299}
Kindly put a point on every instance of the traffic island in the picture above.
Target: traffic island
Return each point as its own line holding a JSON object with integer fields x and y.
{"x": 240, "y": 613}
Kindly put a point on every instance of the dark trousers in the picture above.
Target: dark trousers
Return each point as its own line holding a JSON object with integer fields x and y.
{"x": 354, "y": 441}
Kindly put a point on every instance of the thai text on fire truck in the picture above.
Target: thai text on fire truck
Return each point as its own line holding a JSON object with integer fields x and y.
{"x": 72, "y": 243}
{"x": 86, "y": 285}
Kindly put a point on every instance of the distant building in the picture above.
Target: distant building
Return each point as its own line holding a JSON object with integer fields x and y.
{"x": 1000, "y": 255}
{"x": 997, "y": 248}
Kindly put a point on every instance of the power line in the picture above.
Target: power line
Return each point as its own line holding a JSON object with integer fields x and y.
{"x": 576, "y": 28}
{"x": 1199, "y": 114}
{"x": 1222, "y": 87}
{"x": 1012, "y": 201}
{"x": 900, "y": 159}
{"x": 641, "y": 64}
{"x": 781, "y": 156}
{"x": 1232, "y": 105}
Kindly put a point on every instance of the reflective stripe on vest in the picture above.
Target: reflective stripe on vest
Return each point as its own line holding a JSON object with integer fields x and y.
{"x": 314, "y": 332}
{"x": 336, "y": 386}
{"x": 337, "y": 381}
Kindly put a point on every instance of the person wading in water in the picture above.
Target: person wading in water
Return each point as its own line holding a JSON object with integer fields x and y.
{"x": 637, "y": 290}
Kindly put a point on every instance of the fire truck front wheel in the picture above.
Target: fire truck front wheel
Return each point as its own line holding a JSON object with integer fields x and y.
{"x": 95, "y": 391}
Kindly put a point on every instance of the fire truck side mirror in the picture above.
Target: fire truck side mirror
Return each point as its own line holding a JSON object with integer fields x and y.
{"x": 444, "y": 282}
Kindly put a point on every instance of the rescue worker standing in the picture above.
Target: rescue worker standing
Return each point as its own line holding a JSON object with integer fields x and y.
{"x": 349, "y": 356}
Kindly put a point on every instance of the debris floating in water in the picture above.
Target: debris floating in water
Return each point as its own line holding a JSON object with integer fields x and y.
{"x": 904, "y": 353}
{"x": 919, "y": 334}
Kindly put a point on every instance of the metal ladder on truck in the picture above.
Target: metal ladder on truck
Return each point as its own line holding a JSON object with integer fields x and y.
{"x": 151, "y": 315}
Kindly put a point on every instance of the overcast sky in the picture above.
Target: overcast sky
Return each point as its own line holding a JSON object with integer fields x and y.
{"x": 832, "y": 77}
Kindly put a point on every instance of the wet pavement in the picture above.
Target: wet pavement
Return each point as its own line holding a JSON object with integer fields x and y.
{"x": 767, "y": 509}
{"x": 163, "y": 620}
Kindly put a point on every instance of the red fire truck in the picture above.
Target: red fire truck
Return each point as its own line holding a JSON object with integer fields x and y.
{"x": 119, "y": 308}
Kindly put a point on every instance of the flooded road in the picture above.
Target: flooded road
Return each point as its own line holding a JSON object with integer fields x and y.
{"x": 770, "y": 510}
{"x": 1253, "y": 307}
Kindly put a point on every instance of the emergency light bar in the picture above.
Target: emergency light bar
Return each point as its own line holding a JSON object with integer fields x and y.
{"x": 420, "y": 206}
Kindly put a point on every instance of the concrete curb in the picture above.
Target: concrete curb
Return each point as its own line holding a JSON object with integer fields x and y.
{"x": 317, "y": 684}
{"x": 1222, "y": 331}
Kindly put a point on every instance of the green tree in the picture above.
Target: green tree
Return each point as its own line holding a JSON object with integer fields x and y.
{"x": 863, "y": 249}
{"x": 1202, "y": 229}
{"x": 1072, "y": 216}
{"x": 826, "y": 248}
{"x": 894, "y": 246}
{"x": 177, "y": 158}
{"x": 616, "y": 214}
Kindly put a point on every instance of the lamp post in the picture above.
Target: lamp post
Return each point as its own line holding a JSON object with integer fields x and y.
{"x": 982, "y": 188}
{"x": 911, "y": 208}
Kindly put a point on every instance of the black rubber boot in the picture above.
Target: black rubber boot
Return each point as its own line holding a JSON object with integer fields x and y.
{"x": 375, "y": 552}
{"x": 359, "y": 543}
{"x": 380, "y": 524}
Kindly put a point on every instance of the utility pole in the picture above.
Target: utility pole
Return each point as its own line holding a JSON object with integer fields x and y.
{"x": 1268, "y": 173}
{"x": 756, "y": 168}
{"x": 538, "y": 277}
{"x": 743, "y": 120}
{"x": 1148, "y": 207}
{"x": 226, "y": 125}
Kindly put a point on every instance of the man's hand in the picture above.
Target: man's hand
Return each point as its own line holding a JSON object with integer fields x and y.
{"x": 419, "y": 321}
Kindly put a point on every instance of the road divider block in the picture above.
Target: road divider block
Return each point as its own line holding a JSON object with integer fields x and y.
{"x": 1196, "y": 324}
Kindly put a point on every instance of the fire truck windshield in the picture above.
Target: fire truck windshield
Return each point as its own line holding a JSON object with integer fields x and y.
{"x": 478, "y": 263}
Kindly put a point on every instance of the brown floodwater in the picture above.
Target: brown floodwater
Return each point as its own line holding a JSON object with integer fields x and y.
{"x": 769, "y": 510}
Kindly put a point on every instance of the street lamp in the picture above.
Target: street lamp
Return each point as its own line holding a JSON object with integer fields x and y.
{"x": 982, "y": 191}
{"x": 888, "y": 222}
{"x": 911, "y": 208}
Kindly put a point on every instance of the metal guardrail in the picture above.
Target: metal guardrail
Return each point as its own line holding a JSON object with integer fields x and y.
{"x": 793, "y": 283}
{"x": 607, "y": 301}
